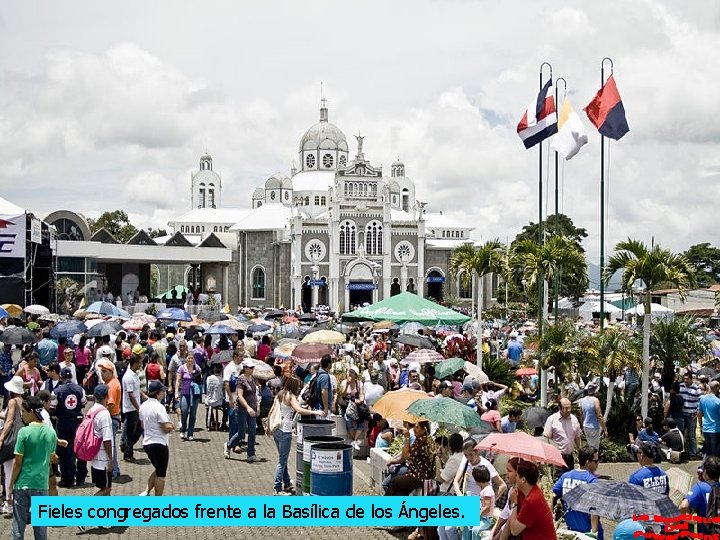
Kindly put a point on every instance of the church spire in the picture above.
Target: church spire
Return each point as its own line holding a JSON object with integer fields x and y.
{"x": 323, "y": 105}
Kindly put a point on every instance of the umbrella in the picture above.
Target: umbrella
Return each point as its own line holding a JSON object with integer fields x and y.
{"x": 133, "y": 325}
{"x": 288, "y": 331}
{"x": 212, "y": 316}
{"x": 104, "y": 308}
{"x": 104, "y": 328}
{"x": 221, "y": 329}
{"x": 259, "y": 328}
{"x": 68, "y": 329}
{"x": 475, "y": 372}
{"x": 52, "y": 317}
{"x": 329, "y": 337}
{"x": 13, "y": 309}
{"x": 285, "y": 350}
{"x": 174, "y": 314}
{"x": 36, "y": 309}
{"x": 383, "y": 325}
{"x": 423, "y": 356}
{"x": 446, "y": 330}
{"x": 525, "y": 372}
{"x": 234, "y": 324}
{"x": 309, "y": 317}
{"x": 274, "y": 314}
{"x": 680, "y": 482}
{"x": 448, "y": 367}
{"x": 262, "y": 370}
{"x": 411, "y": 328}
{"x": 708, "y": 371}
{"x": 289, "y": 319}
{"x": 17, "y": 336}
{"x": 415, "y": 341}
{"x": 619, "y": 500}
{"x": 536, "y": 416}
{"x": 311, "y": 352}
{"x": 3, "y": 313}
{"x": 522, "y": 445}
{"x": 447, "y": 410}
{"x": 393, "y": 405}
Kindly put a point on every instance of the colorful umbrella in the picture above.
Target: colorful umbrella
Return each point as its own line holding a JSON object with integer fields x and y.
{"x": 13, "y": 309}
{"x": 423, "y": 356}
{"x": 619, "y": 500}
{"x": 447, "y": 410}
{"x": 525, "y": 372}
{"x": 522, "y": 445}
{"x": 475, "y": 372}
{"x": 329, "y": 337}
{"x": 680, "y": 482}
{"x": 448, "y": 367}
{"x": 36, "y": 309}
{"x": 235, "y": 324}
{"x": 394, "y": 405}
{"x": 174, "y": 314}
{"x": 17, "y": 336}
{"x": 383, "y": 325}
{"x": 306, "y": 353}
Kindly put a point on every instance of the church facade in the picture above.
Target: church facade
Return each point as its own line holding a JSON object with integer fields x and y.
{"x": 339, "y": 231}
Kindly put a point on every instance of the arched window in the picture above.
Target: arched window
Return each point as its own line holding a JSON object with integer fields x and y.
{"x": 211, "y": 198}
{"x": 257, "y": 283}
{"x": 182, "y": 228}
{"x": 405, "y": 199}
{"x": 203, "y": 228}
{"x": 323, "y": 201}
{"x": 348, "y": 238}
{"x": 215, "y": 228}
{"x": 317, "y": 200}
{"x": 373, "y": 238}
{"x": 307, "y": 201}
{"x": 464, "y": 288}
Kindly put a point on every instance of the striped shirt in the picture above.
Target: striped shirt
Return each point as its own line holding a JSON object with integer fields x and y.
{"x": 691, "y": 397}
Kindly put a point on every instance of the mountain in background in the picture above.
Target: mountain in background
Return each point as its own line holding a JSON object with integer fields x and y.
{"x": 594, "y": 276}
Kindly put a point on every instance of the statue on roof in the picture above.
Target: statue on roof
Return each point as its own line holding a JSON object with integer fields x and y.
{"x": 360, "y": 144}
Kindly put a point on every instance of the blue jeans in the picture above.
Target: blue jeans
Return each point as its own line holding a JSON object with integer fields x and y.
{"x": 21, "y": 514}
{"x": 188, "y": 407}
{"x": 116, "y": 428}
{"x": 247, "y": 425}
{"x": 232, "y": 423}
{"x": 690, "y": 435}
{"x": 283, "y": 441}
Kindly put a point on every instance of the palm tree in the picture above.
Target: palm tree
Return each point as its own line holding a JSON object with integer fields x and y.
{"x": 653, "y": 266}
{"x": 609, "y": 353}
{"x": 468, "y": 261}
{"x": 676, "y": 342}
{"x": 557, "y": 347}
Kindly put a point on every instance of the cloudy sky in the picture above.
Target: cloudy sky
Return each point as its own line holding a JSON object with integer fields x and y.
{"x": 110, "y": 105}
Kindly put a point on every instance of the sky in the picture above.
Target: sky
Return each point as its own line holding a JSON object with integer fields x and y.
{"x": 109, "y": 106}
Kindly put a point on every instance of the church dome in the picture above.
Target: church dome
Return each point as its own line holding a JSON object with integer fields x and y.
{"x": 325, "y": 136}
{"x": 277, "y": 181}
{"x": 259, "y": 193}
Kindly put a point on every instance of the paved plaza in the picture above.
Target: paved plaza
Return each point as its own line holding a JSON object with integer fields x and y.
{"x": 198, "y": 468}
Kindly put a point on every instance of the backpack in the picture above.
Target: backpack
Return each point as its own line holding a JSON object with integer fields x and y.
{"x": 87, "y": 444}
{"x": 313, "y": 393}
{"x": 713, "y": 510}
{"x": 274, "y": 418}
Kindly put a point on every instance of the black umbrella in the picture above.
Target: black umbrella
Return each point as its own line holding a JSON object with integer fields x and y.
{"x": 274, "y": 314}
{"x": 212, "y": 316}
{"x": 67, "y": 329}
{"x": 104, "y": 328}
{"x": 307, "y": 317}
{"x": 415, "y": 341}
{"x": 17, "y": 336}
{"x": 536, "y": 416}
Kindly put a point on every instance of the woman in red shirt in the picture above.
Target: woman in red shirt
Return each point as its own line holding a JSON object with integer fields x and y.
{"x": 531, "y": 517}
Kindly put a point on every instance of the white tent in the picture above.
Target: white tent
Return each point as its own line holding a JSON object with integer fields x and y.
{"x": 654, "y": 308}
{"x": 9, "y": 209}
{"x": 588, "y": 308}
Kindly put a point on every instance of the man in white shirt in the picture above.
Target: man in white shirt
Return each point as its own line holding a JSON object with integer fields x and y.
{"x": 157, "y": 427}
{"x": 230, "y": 376}
{"x": 564, "y": 430}
{"x": 130, "y": 406}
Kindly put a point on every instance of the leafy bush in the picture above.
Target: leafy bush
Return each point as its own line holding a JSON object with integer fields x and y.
{"x": 498, "y": 370}
{"x": 614, "y": 451}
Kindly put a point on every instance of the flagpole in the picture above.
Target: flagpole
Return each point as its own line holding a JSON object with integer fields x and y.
{"x": 556, "y": 281}
{"x": 602, "y": 202}
{"x": 541, "y": 236}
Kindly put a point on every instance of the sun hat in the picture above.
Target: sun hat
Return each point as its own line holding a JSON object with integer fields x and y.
{"x": 15, "y": 385}
{"x": 107, "y": 364}
{"x": 105, "y": 350}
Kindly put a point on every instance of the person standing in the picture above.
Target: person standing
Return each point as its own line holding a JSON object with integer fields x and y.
{"x": 34, "y": 449}
{"x": 6, "y": 370}
{"x": 101, "y": 466}
{"x": 691, "y": 399}
{"x": 514, "y": 350}
{"x": 157, "y": 428}
{"x": 70, "y": 401}
{"x": 324, "y": 387}
{"x": 114, "y": 403}
{"x": 580, "y": 521}
{"x": 709, "y": 413}
{"x": 231, "y": 373}
{"x": 247, "y": 408}
{"x": 186, "y": 390}
{"x": 130, "y": 407}
{"x": 13, "y": 423}
{"x": 593, "y": 419}
{"x": 563, "y": 429}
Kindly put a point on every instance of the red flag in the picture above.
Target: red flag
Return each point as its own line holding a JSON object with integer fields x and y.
{"x": 606, "y": 111}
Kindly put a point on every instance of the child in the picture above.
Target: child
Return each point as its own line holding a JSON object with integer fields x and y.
{"x": 214, "y": 396}
{"x": 481, "y": 475}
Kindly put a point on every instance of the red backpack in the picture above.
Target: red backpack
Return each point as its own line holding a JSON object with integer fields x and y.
{"x": 87, "y": 444}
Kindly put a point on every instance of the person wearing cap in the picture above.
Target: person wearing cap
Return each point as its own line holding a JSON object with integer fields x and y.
{"x": 101, "y": 467}
{"x": 114, "y": 403}
{"x": 13, "y": 422}
{"x": 34, "y": 449}
{"x": 68, "y": 410}
{"x": 649, "y": 475}
{"x": 247, "y": 409}
{"x": 468, "y": 391}
{"x": 131, "y": 397}
{"x": 157, "y": 428}
{"x": 593, "y": 419}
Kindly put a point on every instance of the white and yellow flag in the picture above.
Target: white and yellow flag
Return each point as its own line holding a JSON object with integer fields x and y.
{"x": 571, "y": 135}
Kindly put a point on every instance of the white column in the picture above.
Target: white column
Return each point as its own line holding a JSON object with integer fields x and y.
{"x": 403, "y": 277}
{"x": 315, "y": 276}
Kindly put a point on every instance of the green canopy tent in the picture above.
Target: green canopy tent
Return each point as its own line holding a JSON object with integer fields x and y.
{"x": 406, "y": 307}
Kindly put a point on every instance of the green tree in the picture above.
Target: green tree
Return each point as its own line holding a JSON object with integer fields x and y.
{"x": 652, "y": 266}
{"x": 557, "y": 348}
{"x": 706, "y": 261}
{"x": 676, "y": 342}
{"x": 467, "y": 261}
{"x": 570, "y": 285}
{"x": 68, "y": 294}
{"x": 156, "y": 233}
{"x": 116, "y": 223}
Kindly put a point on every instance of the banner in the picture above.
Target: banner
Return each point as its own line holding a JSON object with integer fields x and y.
{"x": 12, "y": 236}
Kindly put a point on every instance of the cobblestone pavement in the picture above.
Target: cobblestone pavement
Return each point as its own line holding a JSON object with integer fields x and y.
{"x": 198, "y": 468}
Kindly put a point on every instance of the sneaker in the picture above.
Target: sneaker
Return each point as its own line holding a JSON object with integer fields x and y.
{"x": 290, "y": 490}
{"x": 179, "y": 425}
{"x": 81, "y": 529}
{"x": 143, "y": 494}
{"x": 191, "y": 438}
{"x": 251, "y": 459}
{"x": 183, "y": 436}
{"x": 226, "y": 451}
{"x": 6, "y": 509}
{"x": 282, "y": 493}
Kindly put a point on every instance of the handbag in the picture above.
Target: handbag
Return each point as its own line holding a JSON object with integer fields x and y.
{"x": 351, "y": 413}
{"x": 274, "y": 417}
{"x": 7, "y": 451}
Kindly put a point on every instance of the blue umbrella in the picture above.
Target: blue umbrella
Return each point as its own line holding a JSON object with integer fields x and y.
{"x": 104, "y": 308}
{"x": 68, "y": 329}
{"x": 174, "y": 314}
{"x": 3, "y": 314}
{"x": 220, "y": 329}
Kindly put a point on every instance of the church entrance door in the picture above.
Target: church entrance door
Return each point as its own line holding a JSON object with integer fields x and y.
{"x": 361, "y": 292}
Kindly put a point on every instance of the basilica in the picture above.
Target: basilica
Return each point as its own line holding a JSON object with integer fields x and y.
{"x": 338, "y": 232}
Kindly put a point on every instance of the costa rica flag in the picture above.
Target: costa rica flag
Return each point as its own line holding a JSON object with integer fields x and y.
{"x": 540, "y": 119}
{"x": 606, "y": 111}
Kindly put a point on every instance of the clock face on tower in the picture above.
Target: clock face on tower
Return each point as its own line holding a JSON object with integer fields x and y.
{"x": 68, "y": 230}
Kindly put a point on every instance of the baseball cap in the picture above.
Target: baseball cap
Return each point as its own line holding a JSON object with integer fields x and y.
{"x": 169, "y": 335}
{"x": 105, "y": 350}
{"x": 101, "y": 391}
{"x": 65, "y": 373}
{"x": 155, "y": 386}
{"x": 247, "y": 364}
{"x": 468, "y": 387}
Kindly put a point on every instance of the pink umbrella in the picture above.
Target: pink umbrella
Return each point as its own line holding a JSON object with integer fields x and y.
{"x": 522, "y": 445}
{"x": 423, "y": 356}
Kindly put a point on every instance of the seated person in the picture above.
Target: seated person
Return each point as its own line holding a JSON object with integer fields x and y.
{"x": 648, "y": 433}
{"x": 672, "y": 439}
